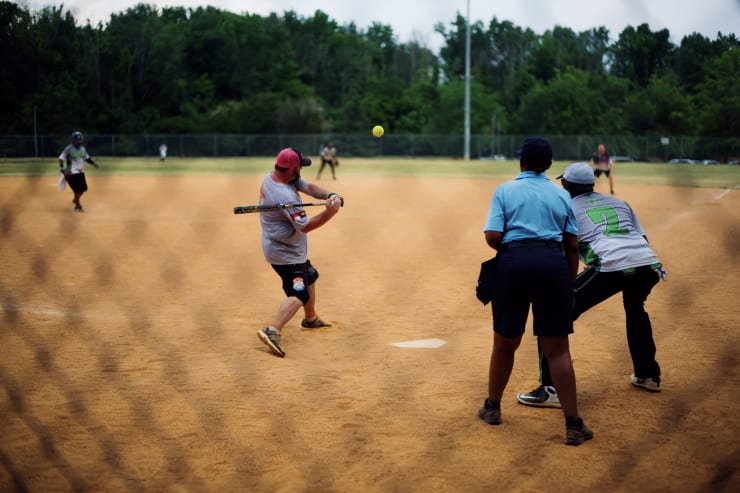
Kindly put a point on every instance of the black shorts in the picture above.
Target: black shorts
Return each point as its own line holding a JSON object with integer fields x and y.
{"x": 297, "y": 278}
{"x": 597, "y": 172}
{"x": 533, "y": 274}
{"x": 77, "y": 183}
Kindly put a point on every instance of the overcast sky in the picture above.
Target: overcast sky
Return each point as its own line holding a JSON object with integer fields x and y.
{"x": 415, "y": 19}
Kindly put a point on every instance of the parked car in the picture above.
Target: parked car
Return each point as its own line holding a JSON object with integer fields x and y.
{"x": 708, "y": 161}
{"x": 734, "y": 161}
{"x": 622, "y": 159}
{"x": 681, "y": 161}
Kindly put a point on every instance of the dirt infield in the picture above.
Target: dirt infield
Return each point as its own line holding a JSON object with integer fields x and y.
{"x": 130, "y": 361}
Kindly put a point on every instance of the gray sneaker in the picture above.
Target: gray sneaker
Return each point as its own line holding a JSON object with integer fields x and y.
{"x": 316, "y": 323}
{"x": 651, "y": 384}
{"x": 542, "y": 396}
{"x": 271, "y": 337}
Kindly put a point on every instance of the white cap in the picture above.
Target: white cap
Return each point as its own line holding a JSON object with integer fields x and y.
{"x": 579, "y": 173}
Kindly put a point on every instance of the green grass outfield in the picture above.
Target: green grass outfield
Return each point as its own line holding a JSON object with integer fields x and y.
{"x": 681, "y": 175}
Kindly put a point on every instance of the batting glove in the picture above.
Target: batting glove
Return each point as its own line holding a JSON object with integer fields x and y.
{"x": 341, "y": 199}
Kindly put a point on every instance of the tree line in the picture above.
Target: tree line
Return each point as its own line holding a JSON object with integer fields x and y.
{"x": 206, "y": 70}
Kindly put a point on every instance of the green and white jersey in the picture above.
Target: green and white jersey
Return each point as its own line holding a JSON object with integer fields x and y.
{"x": 75, "y": 158}
{"x": 610, "y": 238}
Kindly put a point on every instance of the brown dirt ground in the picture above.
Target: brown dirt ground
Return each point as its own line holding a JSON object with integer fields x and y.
{"x": 130, "y": 362}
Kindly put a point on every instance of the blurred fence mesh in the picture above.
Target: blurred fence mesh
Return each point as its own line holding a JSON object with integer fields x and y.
{"x": 127, "y": 333}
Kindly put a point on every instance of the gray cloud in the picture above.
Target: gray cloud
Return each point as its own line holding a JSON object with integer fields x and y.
{"x": 415, "y": 19}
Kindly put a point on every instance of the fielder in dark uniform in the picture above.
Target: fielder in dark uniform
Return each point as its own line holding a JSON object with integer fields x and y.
{"x": 75, "y": 155}
{"x": 532, "y": 226}
{"x": 613, "y": 246}
{"x": 602, "y": 163}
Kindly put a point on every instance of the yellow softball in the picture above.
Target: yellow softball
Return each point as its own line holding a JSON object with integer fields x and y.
{"x": 378, "y": 131}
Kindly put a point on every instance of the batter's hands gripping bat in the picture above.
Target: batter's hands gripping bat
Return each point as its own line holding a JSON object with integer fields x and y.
{"x": 246, "y": 209}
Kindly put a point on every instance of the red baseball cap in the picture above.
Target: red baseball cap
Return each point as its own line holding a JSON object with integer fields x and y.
{"x": 292, "y": 158}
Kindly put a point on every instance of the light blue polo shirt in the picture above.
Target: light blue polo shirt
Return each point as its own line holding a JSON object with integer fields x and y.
{"x": 531, "y": 207}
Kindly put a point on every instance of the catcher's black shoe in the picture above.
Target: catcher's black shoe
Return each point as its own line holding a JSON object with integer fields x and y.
{"x": 271, "y": 337}
{"x": 316, "y": 323}
{"x": 542, "y": 396}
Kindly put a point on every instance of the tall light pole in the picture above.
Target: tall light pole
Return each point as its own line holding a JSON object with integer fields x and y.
{"x": 35, "y": 135}
{"x": 466, "y": 153}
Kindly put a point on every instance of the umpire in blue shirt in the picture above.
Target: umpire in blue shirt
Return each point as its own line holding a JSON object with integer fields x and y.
{"x": 532, "y": 226}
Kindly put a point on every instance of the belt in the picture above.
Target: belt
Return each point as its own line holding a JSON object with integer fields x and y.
{"x": 532, "y": 243}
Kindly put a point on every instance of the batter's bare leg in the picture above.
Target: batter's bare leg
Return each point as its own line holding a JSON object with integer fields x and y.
{"x": 309, "y": 309}
{"x": 288, "y": 308}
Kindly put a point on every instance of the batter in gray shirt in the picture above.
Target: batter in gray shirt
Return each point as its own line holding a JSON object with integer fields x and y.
{"x": 283, "y": 242}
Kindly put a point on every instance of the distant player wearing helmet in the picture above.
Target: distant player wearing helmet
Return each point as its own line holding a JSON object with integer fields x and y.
{"x": 285, "y": 244}
{"x": 613, "y": 246}
{"x": 72, "y": 165}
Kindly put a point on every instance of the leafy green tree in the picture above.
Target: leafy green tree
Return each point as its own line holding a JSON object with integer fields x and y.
{"x": 691, "y": 57}
{"x": 450, "y": 119}
{"x": 202, "y": 70}
{"x": 594, "y": 50}
{"x": 660, "y": 109}
{"x": 419, "y": 107}
{"x": 453, "y": 51}
{"x": 641, "y": 53}
{"x": 718, "y": 97}
{"x": 573, "y": 102}
{"x": 562, "y": 48}
{"x": 17, "y": 81}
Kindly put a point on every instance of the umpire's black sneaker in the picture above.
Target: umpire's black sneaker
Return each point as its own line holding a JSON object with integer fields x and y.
{"x": 577, "y": 433}
{"x": 271, "y": 337}
{"x": 490, "y": 413}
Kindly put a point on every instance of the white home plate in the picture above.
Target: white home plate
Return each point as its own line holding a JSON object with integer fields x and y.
{"x": 422, "y": 343}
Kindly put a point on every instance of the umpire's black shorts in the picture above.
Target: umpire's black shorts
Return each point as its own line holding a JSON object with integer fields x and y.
{"x": 297, "y": 278}
{"x": 533, "y": 273}
{"x": 77, "y": 183}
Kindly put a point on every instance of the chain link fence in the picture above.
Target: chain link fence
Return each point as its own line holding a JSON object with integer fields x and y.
{"x": 566, "y": 147}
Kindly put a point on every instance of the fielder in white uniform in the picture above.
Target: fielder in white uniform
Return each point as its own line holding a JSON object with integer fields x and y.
{"x": 618, "y": 258}
{"x": 72, "y": 165}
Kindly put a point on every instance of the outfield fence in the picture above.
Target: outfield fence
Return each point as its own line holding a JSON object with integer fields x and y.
{"x": 566, "y": 147}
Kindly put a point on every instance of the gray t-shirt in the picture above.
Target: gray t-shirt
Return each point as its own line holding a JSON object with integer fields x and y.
{"x": 283, "y": 242}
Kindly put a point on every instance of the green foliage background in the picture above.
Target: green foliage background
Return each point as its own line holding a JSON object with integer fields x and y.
{"x": 205, "y": 70}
